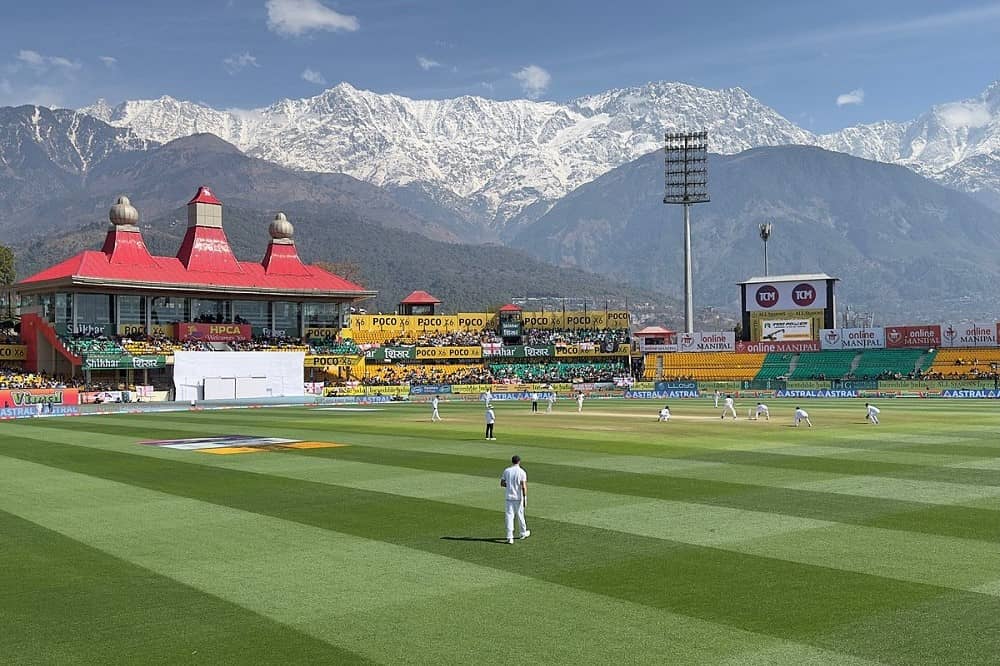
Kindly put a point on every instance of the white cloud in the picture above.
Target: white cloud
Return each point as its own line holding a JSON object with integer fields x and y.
{"x": 108, "y": 61}
{"x": 312, "y": 76}
{"x": 534, "y": 80}
{"x": 292, "y": 18}
{"x": 964, "y": 114}
{"x": 856, "y": 96}
{"x": 239, "y": 61}
{"x": 427, "y": 63}
{"x": 41, "y": 63}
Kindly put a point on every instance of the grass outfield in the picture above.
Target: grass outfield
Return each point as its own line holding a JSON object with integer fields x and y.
{"x": 694, "y": 541}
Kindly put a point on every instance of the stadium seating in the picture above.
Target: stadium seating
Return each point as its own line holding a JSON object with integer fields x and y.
{"x": 965, "y": 362}
{"x": 775, "y": 365}
{"x": 556, "y": 372}
{"x": 705, "y": 366}
{"x": 90, "y": 346}
{"x": 823, "y": 365}
{"x": 876, "y": 363}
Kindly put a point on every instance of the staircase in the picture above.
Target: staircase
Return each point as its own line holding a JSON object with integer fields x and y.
{"x": 33, "y": 330}
{"x": 854, "y": 364}
{"x": 791, "y": 365}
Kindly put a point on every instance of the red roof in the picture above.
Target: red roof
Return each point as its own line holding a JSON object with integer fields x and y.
{"x": 655, "y": 330}
{"x": 510, "y": 307}
{"x": 419, "y": 298}
{"x": 205, "y": 195}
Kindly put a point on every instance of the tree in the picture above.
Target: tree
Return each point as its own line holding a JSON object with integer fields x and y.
{"x": 7, "y": 272}
{"x": 349, "y": 270}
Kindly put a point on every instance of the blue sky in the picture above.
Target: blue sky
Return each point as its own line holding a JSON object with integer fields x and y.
{"x": 883, "y": 60}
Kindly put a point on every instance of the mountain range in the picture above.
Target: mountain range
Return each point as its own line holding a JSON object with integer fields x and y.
{"x": 495, "y": 162}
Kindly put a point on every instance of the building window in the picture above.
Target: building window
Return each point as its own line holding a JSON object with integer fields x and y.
{"x": 64, "y": 308}
{"x": 211, "y": 311}
{"x": 286, "y": 318}
{"x": 321, "y": 315}
{"x": 92, "y": 308}
{"x": 254, "y": 313}
{"x": 132, "y": 310}
{"x": 167, "y": 310}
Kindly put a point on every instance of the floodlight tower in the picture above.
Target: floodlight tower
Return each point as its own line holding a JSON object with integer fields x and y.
{"x": 686, "y": 182}
{"x": 765, "y": 235}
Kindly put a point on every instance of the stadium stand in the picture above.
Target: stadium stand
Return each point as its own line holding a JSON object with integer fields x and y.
{"x": 823, "y": 365}
{"x": 775, "y": 366}
{"x": 888, "y": 363}
{"x": 964, "y": 363}
{"x": 707, "y": 366}
{"x": 556, "y": 372}
{"x": 450, "y": 373}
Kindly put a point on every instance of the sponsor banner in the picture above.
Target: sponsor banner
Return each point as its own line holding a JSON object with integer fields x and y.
{"x": 643, "y": 386}
{"x": 510, "y": 328}
{"x": 476, "y": 321}
{"x": 660, "y": 395}
{"x": 265, "y": 332}
{"x": 575, "y": 319}
{"x": 592, "y": 350}
{"x": 85, "y": 330}
{"x": 429, "y": 389}
{"x": 815, "y": 393}
{"x": 673, "y": 386}
{"x": 706, "y": 341}
{"x": 12, "y": 353}
{"x": 852, "y": 338}
{"x": 786, "y": 325}
{"x": 970, "y": 393}
{"x": 401, "y": 390}
{"x": 34, "y": 397}
{"x": 389, "y": 354}
{"x": 214, "y": 332}
{"x": 320, "y": 332}
{"x": 506, "y": 396}
{"x": 969, "y": 335}
{"x": 913, "y": 336}
{"x": 98, "y": 397}
{"x": 782, "y": 347}
{"x": 354, "y": 400}
{"x": 808, "y": 384}
{"x": 144, "y": 391}
{"x": 425, "y": 353}
{"x": 797, "y": 295}
{"x": 786, "y": 329}
{"x": 38, "y": 410}
{"x": 117, "y": 362}
{"x": 857, "y": 384}
{"x": 659, "y": 348}
{"x": 471, "y": 389}
{"x": 313, "y": 388}
{"x": 328, "y": 361}
{"x": 164, "y": 330}
{"x": 933, "y": 384}
{"x": 392, "y": 325}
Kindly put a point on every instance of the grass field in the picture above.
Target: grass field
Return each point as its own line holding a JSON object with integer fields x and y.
{"x": 694, "y": 541}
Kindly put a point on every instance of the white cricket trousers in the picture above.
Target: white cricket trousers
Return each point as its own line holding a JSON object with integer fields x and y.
{"x": 729, "y": 410}
{"x": 514, "y": 507}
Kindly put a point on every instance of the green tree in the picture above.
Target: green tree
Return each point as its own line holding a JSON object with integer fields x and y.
{"x": 7, "y": 273}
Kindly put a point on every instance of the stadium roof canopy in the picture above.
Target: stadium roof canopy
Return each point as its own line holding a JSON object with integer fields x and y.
{"x": 510, "y": 307}
{"x": 654, "y": 330}
{"x": 204, "y": 263}
{"x": 803, "y": 277}
{"x": 420, "y": 298}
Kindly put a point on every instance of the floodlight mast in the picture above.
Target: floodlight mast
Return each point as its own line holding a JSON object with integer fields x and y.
{"x": 765, "y": 235}
{"x": 686, "y": 182}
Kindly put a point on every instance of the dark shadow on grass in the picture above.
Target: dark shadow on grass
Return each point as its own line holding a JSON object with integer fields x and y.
{"x": 468, "y": 538}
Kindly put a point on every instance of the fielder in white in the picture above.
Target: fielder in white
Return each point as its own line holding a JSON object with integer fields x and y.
{"x": 728, "y": 408}
{"x": 434, "y": 414}
{"x": 664, "y": 414}
{"x": 872, "y": 413}
{"x": 761, "y": 410}
{"x": 579, "y": 401}
{"x": 802, "y": 415}
{"x": 717, "y": 396}
{"x": 550, "y": 401}
{"x": 515, "y": 481}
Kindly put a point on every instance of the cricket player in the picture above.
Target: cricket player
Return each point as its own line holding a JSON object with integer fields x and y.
{"x": 717, "y": 396}
{"x": 491, "y": 418}
{"x": 762, "y": 410}
{"x": 579, "y": 402}
{"x": 802, "y": 415}
{"x": 728, "y": 408}
{"x": 515, "y": 480}
{"x": 534, "y": 402}
{"x": 664, "y": 413}
{"x": 550, "y": 401}
{"x": 435, "y": 416}
{"x": 872, "y": 413}
{"x": 487, "y": 397}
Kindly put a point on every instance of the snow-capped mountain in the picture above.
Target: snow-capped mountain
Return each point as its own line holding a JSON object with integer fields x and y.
{"x": 496, "y": 160}
{"x": 502, "y": 156}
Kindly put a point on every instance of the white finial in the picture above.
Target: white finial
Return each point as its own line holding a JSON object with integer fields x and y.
{"x": 281, "y": 229}
{"x": 123, "y": 213}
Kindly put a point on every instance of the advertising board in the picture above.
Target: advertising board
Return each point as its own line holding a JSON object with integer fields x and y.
{"x": 214, "y": 332}
{"x": 701, "y": 341}
{"x": 852, "y": 338}
{"x": 12, "y": 352}
{"x": 780, "y": 346}
{"x": 969, "y": 335}
{"x": 913, "y": 336}
{"x": 786, "y": 325}
{"x": 795, "y": 295}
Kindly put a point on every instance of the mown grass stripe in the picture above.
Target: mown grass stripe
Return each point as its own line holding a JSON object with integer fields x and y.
{"x": 775, "y": 597}
{"x": 350, "y": 591}
{"x": 65, "y": 602}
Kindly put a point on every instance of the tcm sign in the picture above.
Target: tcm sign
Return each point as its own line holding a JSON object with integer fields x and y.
{"x": 799, "y": 295}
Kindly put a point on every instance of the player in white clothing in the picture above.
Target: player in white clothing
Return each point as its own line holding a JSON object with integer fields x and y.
{"x": 434, "y": 414}
{"x": 550, "y": 401}
{"x": 802, "y": 415}
{"x": 872, "y": 413}
{"x": 515, "y": 480}
{"x": 664, "y": 414}
{"x": 579, "y": 401}
{"x": 717, "y": 396}
{"x": 761, "y": 410}
{"x": 728, "y": 408}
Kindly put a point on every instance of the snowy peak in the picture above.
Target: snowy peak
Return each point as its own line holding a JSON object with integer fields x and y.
{"x": 500, "y": 156}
